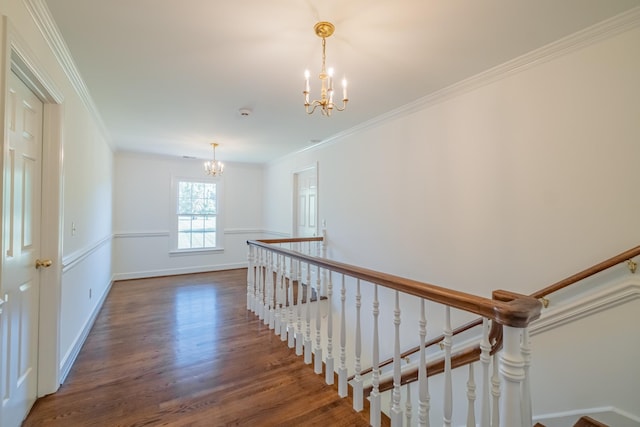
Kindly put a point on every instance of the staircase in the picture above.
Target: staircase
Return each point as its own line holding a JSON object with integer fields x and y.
{"x": 582, "y": 422}
{"x": 356, "y": 304}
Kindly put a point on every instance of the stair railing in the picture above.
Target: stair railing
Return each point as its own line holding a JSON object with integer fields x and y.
{"x": 276, "y": 269}
{"x": 472, "y": 354}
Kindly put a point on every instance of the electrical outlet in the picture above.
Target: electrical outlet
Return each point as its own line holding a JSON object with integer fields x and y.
{"x": 73, "y": 228}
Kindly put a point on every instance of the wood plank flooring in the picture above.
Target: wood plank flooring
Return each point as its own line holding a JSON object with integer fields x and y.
{"x": 184, "y": 351}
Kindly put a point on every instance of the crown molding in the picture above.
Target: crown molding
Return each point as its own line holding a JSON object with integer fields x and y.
{"x": 49, "y": 30}
{"x": 602, "y": 30}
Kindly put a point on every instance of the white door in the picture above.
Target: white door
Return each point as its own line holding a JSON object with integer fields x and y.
{"x": 306, "y": 185}
{"x": 20, "y": 286}
{"x": 305, "y": 215}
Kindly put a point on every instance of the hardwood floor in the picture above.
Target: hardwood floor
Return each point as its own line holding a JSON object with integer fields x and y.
{"x": 184, "y": 351}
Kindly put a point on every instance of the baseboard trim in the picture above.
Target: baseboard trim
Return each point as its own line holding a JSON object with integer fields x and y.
{"x": 600, "y": 412}
{"x": 178, "y": 271}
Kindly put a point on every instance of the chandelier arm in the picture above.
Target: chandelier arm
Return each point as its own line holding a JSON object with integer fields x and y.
{"x": 315, "y": 105}
{"x": 326, "y": 104}
{"x": 344, "y": 105}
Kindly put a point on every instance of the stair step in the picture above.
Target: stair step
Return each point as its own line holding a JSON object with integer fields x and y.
{"x": 589, "y": 422}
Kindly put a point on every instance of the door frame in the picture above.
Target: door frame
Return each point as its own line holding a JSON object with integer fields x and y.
{"x": 314, "y": 166}
{"x": 17, "y": 57}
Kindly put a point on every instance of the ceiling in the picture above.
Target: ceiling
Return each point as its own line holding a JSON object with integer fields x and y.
{"x": 169, "y": 77}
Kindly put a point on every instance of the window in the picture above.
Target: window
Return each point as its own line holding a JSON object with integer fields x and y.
{"x": 197, "y": 219}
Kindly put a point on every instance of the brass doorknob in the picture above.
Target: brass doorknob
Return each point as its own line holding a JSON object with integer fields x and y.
{"x": 43, "y": 263}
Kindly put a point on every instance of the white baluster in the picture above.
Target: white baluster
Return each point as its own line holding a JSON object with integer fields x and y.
{"x": 284, "y": 307}
{"x": 357, "y": 381}
{"x": 272, "y": 293}
{"x": 448, "y": 387}
{"x": 291, "y": 330}
{"x": 471, "y": 396}
{"x": 277, "y": 296}
{"x": 299, "y": 339}
{"x": 527, "y": 412}
{"x": 396, "y": 410}
{"x": 495, "y": 393}
{"x": 256, "y": 285}
{"x": 374, "y": 397}
{"x": 250, "y": 289}
{"x": 329, "y": 360}
{"x": 317, "y": 351}
{"x": 267, "y": 287}
{"x": 408, "y": 408}
{"x": 342, "y": 370}
{"x": 260, "y": 272}
{"x": 423, "y": 381}
{"x": 323, "y": 254}
{"x": 512, "y": 373}
{"x": 485, "y": 359}
{"x": 307, "y": 335}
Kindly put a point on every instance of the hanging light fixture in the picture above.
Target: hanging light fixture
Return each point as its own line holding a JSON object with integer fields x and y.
{"x": 324, "y": 30}
{"x": 214, "y": 167}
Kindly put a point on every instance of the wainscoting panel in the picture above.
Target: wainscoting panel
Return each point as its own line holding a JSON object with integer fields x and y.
{"x": 140, "y": 254}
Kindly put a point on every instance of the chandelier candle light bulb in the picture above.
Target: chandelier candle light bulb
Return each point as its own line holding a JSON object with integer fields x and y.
{"x": 306, "y": 87}
{"x": 324, "y": 30}
{"x": 214, "y": 167}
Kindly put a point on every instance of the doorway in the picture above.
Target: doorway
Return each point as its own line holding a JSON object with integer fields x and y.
{"x": 31, "y": 227}
{"x": 305, "y": 214}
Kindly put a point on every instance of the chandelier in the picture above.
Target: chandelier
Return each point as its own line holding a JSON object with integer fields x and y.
{"x": 214, "y": 167}
{"x": 324, "y": 30}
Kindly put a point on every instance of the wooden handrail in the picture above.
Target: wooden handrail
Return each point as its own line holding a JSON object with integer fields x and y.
{"x": 517, "y": 313}
{"x": 615, "y": 260}
{"x": 292, "y": 240}
{"x": 505, "y": 309}
{"x": 504, "y": 296}
{"x": 427, "y": 344}
{"x": 624, "y": 256}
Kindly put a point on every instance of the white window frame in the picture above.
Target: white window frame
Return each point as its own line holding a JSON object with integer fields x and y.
{"x": 174, "y": 216}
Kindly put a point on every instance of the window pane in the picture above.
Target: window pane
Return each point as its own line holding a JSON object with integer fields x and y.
{"x": 184, "y": 223}
{"x": 196, "y": 215}
{"x": 197, "y": 240}
{"x": 210, "y": 223}
{"x": 184, "y": 240}
{"x": 210, "y": 239}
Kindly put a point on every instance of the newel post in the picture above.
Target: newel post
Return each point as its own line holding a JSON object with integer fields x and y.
{"x": 520, "y": 311}
{"x": 513, "y": 373}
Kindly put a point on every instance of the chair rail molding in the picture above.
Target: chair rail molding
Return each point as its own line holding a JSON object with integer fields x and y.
{"x": 589, "y": 304}
{"x": 73, "y": 259}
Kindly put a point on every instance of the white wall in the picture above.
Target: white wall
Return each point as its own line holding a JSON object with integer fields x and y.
{"x": 87, "y": 201}
{"x": 143, "y": 215}
{"x": 513, "y": 184}
{"x": 536, "y": 169}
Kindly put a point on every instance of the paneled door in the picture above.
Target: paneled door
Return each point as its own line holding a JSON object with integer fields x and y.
{"x": 306, "y": 194}
{"x": 20, "y": 287}
{"x": 305, "y": 215}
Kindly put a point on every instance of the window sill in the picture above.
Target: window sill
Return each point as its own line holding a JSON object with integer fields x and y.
{"x": 202, "y": 251}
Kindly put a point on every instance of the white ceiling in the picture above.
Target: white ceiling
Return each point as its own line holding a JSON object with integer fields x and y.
{"x": 169, "y": 76}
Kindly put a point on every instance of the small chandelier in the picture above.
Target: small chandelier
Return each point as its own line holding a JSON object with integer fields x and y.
{"x": 324, "y": 30}
{"x": 214, "y": 167}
